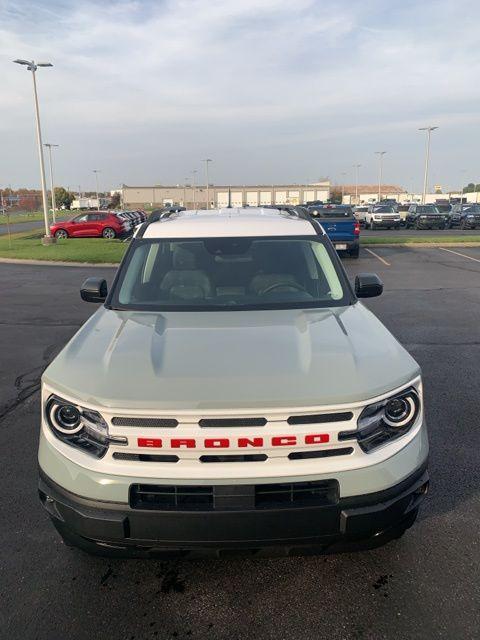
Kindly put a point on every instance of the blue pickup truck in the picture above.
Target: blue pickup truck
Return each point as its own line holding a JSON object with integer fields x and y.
{"x": 340, "y": 226}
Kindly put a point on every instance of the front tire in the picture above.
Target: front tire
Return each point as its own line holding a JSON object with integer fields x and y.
{"x": 61, "y": 234}
{"x": 108, "y": 233}
{"x": 354, "y": 253}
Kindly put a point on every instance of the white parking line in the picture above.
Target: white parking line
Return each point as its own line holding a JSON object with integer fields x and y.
{"x": 464, "y": 255}
{"x": 380, "y": 257}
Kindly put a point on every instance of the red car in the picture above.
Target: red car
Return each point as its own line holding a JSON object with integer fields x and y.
{"x": 92, "y": 224}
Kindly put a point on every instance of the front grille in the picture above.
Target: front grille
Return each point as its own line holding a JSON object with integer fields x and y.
{"x": 151, "y": 423}
{"x": 317, "y": 493}
{"x": 324, "y": 453}
{"x": 232, "y": 422}
{"x": 247, "y": 457}
{"x": 145, "y": 457}
{"x": 321, "y": 418}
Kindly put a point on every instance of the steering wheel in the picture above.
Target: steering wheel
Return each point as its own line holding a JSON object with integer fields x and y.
{"x": 277, "y": 285}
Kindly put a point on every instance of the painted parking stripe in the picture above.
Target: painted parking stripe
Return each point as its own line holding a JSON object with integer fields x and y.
{"x": 380, "y": 257}
{"x": 457, "y": 253}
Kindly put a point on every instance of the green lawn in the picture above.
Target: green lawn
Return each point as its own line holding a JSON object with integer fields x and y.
{"x": 419, "y": 239}
{"x": 15, "y": 218}
{"x": 28, "y": 246}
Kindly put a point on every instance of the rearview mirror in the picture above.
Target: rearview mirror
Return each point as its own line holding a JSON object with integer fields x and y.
{"x": 94, "y": 290}
{"x": 368, "y": 285}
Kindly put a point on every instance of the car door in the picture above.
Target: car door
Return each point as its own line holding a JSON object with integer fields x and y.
{"x": 96, "y": 223}
{"x": 77, "y": 226}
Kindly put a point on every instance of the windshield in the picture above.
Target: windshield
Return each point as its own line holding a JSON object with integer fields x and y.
{"x": 383, "y": 209}
{"x": 473, "y": 208}
{"x": 427, "y": 209}
{"x": 332, "y": 212}
{"x": 229, "y": 273}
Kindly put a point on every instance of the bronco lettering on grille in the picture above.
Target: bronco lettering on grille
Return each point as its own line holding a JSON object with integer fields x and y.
{"x": 227, "y": 443}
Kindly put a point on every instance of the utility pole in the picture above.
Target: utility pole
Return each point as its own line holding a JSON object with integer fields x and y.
{"x": 207, "y": 160}
{"x": 32, "y": 66}
{"x": 380, "y": 172}
{"x": 194, "y": 172}
{"x": 427, "y": 160}
{"x": 52, "y": 188}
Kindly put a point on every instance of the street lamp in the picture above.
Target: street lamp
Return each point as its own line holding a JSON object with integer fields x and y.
{"x": 207, "y": 160}
{"x": 32, "y": 66}
{"x": 427, "y": 159}
{"x": 357, "y": 167}
{"x": 380, "y": 155}
{"x": 96, "y": 172}
{"x": 194, "y": 172}
{"x": 54, "y": 204}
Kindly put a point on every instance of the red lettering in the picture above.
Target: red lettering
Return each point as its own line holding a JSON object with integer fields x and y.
{"x": 188, "y": 443}
{"x": 250, "y": 442}
{"x": 217, "y": 443}
{"x": 149, "y": 442}
{"x": 284, "y": 441}
{"x": 318, "y": 438}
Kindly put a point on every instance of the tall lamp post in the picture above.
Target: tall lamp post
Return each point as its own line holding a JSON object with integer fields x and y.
{"x": 207, "y": 160}
{"x": 194, "y": 172}
{"x": 33, "y": 66}
{"x": 380, "y": 155}
{"x": 427, "y": 159}
{"x": 357, "y": 167}
{"x": 96, "y": 172}
{"x": 52, "y": 188}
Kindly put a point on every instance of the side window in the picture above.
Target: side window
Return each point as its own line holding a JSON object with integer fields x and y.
{"x": 81, "y": 218}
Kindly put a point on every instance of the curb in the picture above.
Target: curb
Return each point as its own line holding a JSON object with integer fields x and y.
{"x": 56, "y": 263}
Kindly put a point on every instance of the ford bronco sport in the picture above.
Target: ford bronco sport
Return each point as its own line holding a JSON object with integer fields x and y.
{"x": 232, "y": 393}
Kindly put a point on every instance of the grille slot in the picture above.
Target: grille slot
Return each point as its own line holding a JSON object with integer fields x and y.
{"x": 326, "y": 453}
{"x": 151, "y": 423}
{"x": 145, "y": 457}
{"x": 321, "y": 418}
{"x": 168, "y": 497}
{"x": 232, "y": 422}
{"x": 248, "y": 457}
{"x": 315, "y": 493}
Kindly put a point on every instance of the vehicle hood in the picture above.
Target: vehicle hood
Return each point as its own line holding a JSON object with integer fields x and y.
{"x": 231, "y": 359}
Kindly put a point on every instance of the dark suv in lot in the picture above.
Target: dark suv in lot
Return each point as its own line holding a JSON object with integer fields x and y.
{"x": 465, "y": 216}
{"x": 426, "y": 216}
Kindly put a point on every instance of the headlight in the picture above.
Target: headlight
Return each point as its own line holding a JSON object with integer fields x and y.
{"x": 470, "y": 215}
{"x": 77, "y": 426}
{"x": 385, "y": 421}
{"x": 423, "y": 217}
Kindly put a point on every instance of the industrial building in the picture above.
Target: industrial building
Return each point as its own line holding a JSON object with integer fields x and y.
{"x": 196, "y": 197}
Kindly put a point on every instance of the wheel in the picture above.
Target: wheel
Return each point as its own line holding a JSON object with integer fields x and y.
{"x": 354, "y": 253}
{"x": 61, "y": 234}
{"x": 463, "y": 225}
{"x": 417, "y": 225}
{"x": 396, "y": 227}
{"x": 109, "y": 233}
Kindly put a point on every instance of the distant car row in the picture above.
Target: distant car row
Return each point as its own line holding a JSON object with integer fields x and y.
{"x": 418, "y": 216}
{"x": 99, "y": 224}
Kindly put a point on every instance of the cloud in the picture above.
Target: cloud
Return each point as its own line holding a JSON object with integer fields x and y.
{"x": 271, "y": 89}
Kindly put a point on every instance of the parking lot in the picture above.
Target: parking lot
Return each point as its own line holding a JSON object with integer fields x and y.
{"x": 422, "y": 586}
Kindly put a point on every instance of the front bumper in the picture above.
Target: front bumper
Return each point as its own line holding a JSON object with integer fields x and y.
{"x": 338, "y": 524}
{"x": 391, "y": 222}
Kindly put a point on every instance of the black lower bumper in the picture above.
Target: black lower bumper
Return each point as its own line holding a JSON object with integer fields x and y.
{"x": 116, "y": 529}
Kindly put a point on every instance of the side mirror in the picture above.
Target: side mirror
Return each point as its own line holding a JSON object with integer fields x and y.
{"x": 94, "y": 290}
{"x": 368, "y": 285}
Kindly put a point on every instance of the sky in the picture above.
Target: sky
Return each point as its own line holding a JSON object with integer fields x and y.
{"x": 273, "y": 91}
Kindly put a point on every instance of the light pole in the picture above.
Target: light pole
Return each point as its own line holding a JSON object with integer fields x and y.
{"x": 427, "y": 159}
{"x": 52, "y": 188}
{"x": 96, "y": 172}
{"x": 32, "y": 66}
{"x": 380, "y": 155}
{"x": 207, "y": 160}
{"x": 194, "y": 172}
{"x": 357, "y": 167}
{"x": 344, "y": 173}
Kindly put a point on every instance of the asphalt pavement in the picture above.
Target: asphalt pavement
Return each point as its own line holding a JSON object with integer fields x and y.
{"x": 425, "y": 585}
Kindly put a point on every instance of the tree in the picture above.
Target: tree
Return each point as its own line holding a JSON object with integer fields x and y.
{"x": 63, "y": 198}
{"x": 115, "y": 201}
{"x": 336, "y": 195}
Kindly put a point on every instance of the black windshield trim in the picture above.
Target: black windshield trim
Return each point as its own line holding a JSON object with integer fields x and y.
{"x": 348, "y": 298}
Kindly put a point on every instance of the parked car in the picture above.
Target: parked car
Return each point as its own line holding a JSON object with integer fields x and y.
{"x": 158, "y": 213}
{"x": 382, "y": 215}
{"x": 231, "y": 392}
{"x": 313, "y": 203}
{"x": 465, "y": 216}
{"x": 133, "y": 218}
{"x": 426, "y": 216}
{"x": 106, "y": 224}
{"x": 340, "y": 226}
{"x": 360, "y": 212}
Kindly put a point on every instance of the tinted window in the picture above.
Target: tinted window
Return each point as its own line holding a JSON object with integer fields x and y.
{"x": 383, "y": 209}
{"x": 332, "y": 212}
{"x": 229, "y": 273}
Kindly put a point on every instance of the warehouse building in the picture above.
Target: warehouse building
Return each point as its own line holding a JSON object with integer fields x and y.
{"x": 196, "y": 197}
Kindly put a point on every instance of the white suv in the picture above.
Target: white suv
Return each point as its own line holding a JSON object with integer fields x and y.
{"x": 231, "y": 392}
